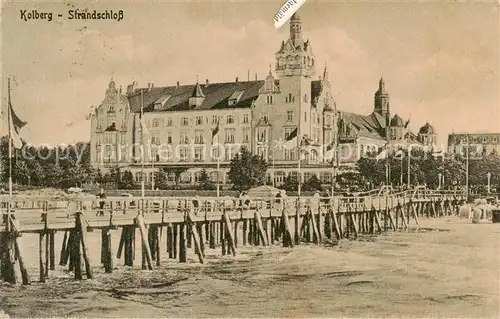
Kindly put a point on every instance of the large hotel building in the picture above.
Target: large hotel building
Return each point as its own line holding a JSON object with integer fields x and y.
{"x": 259, "y": 115}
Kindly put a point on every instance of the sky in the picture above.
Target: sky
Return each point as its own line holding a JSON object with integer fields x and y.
{"x": 440, "y": 60}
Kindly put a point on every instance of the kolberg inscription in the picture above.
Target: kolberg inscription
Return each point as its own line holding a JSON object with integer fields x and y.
{"x": 27, "y": 15}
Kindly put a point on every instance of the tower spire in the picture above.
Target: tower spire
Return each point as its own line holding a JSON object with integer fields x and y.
{"x": 325, "y": 73}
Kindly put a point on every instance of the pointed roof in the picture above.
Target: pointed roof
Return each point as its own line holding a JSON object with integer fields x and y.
{"x": 397, "y": 121}
{"x": 427, "y": 129}
{"x": 197, "y": 91}
{"x": 325, "y": 73}
{"x": 295, "y": 17}
{"x": 381, "y": 88}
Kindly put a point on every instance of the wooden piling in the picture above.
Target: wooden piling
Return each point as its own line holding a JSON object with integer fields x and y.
{"x": 260, "y": 228}
{"x": 80, "y": 226}
{"x": 63, "y": 259}
{"x": 139, "y": 221}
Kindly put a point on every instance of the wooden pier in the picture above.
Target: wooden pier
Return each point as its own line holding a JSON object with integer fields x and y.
{"x": 200, "y": 223}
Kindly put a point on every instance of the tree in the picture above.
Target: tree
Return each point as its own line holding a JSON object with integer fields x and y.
{"x": 313, "y": 184}
{"x": 161, "y": 181}
{"x": 204, "y": 182}
{"x": 127, "y": 180}
{"x": 247, "y": 170}
{"x": 290, "y": 183}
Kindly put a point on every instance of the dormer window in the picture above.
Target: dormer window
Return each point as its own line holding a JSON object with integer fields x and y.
{"x": 160, "y": 103}
{"x": 235, "y": 98}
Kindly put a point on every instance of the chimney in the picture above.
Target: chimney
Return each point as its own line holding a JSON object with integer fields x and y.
{"x": 132, "y": 88}
{"x": 150, "y": 86}
{"x": 206, "y": 82}
{"x": 236, "y": 79}
{"x": 255, "y": 76}
{"x": 178, "y": 84}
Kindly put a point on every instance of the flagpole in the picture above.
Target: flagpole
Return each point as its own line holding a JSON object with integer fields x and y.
{"x": 409, "y": 163}
{"x": 467, "y": 166}
{"x": 218, "y": 164}
{"x": 9, "y": 205}
{"x": 272, "y": 157}
{"x": 142, "y": 145}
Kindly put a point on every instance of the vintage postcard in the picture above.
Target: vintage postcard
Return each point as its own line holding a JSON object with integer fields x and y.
{"x": 279, "y": 158}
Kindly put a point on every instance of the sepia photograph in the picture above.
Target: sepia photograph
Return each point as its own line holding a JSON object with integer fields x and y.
{"x": 250, "y": 159}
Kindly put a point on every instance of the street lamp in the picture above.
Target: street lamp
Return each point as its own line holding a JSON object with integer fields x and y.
{"x": 439, "y": 179}
{"x": 489, "y": 181}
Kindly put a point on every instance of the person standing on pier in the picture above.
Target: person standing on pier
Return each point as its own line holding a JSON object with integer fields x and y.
{"x": 101, "y": 195}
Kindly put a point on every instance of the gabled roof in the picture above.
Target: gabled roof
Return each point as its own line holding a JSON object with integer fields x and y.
{"x": 363, "y": 125}
{"x": 216, "y": 96}
{"x": 397, "y": 121}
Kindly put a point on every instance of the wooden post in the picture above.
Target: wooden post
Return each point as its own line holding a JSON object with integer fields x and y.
{"x": 169, "y": 242}
{"x": 63, "y": 260}
{"x": 297, "y": 222}
{"x": 139, "y": 220}
{"x": 158, "y": 233}
{"x": 108, "y": 252}
{"x": 287, "y": 234}
{"x": 128, "y": 245}
{"x": 229, "y": 234}
{"x": 76, "y": 255}
{"x": 19, "y": 255}
{"x": 182, "y": 242}
{"x": 41, "y": 251}
{"x": 211, "y": 234}
{"x": 245, "y": 234}
{"x": 80, "y": 222}
{"x": 196, "y": 238}
{"x": 222, "y": 235}
{"x": 260, "y": 228}
{"x": 52, "y": 252}
{"x": 335, "y": 223}
{"x": 314, "y": 226}
{"x": 121, "y": 243}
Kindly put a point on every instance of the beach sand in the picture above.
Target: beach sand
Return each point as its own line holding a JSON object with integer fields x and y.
{"x": 448, "y": 268}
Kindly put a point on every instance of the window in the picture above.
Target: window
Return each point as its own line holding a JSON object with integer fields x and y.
{"x": 184, "y": 138}
{"x": 328, "y": 119}
{"x": 289, "y": 116}
{"x": 269, "y": 99}
{"x": 215, "y": 119}
{"x": 264, "y": 116}
{"x": 261, "y": 135}
{"x": 289, "y": 98}
{"x": 494, "y": 139}
{"x": 155, "y": 138}
{"x": 228, "y": 154}
{"x": 169, "y": 121}
{"x": 326, "y": 177}
{"x": 184, "y": 121}
{"x": 289, "y": 154}
{"x": 229, "y": 119}
{"x": 261, "y": 151}
{"x": 316, "y": 135}
{"x": 215, "y": 153}
{"x": 169, "y": 137}
{"x": 99, "y": 124}
{"x": 199, "y": 120}
{"x": 305, "y": 98}
{"x": 183, "y": 154}
{"x": 307, "y": 176}
{"x": 198, "y": 137}
{"x": 111, "y": 108}
{"x": 288, "y": 131}
{"x": 229, "y": 136}
{"x": 198, "y": 154}
{"x": 245, "y": 118}
{"x": 246, "y": 135}
{"x": 156, "y": 122}
{"x": 317, "y": 119}
{"x": 305, "y": 116}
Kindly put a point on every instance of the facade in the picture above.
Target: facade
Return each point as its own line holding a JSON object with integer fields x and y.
{"x": 480, "y": 144}
{"x": 176, "y": 123}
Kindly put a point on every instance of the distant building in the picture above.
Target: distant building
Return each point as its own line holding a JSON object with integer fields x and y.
{"x": 480, "y": 144}
{"x": 258, "y": 115}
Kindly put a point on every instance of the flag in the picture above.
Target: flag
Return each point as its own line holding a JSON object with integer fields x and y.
{"x": 215, "y": 131}
{"x": 407, "y": 123}
{"x": 399, "y": 154}
{"x": 15, "y": 125}
{"x": 383, "y": 151}
{"x": 291, "y": 140}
